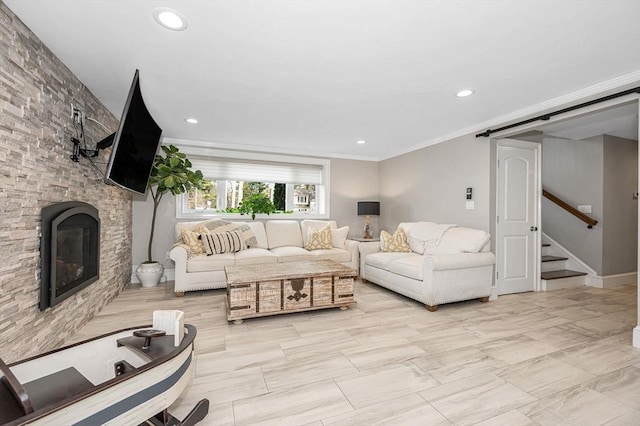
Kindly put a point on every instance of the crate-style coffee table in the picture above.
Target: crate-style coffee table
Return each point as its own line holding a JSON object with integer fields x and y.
{"x": 278, "y": 288}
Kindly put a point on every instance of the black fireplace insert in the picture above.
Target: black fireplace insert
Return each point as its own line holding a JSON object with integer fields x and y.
{"x": 69, "y": 250}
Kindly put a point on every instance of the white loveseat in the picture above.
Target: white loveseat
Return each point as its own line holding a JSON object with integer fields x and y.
{"x": 446, "y": 264}
{"x": 277, "y": 241}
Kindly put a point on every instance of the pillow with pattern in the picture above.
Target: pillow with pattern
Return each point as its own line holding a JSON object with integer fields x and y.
{"x": 395, "y": 242}
{"x": 223, "y": 242}
{"x": 219, "y": 225}
{"x": 191, "y": 239}
{"x": 318, "y": 239}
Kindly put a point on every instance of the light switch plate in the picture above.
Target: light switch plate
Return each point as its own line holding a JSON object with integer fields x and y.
{"x": 585, "y": 208}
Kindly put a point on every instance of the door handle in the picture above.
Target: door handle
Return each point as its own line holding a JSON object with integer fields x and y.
{"x": 533, "y": 228}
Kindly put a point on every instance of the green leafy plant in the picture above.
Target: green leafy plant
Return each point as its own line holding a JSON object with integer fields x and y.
{"x": 171, "y": 173}
{"x": 256, "y": 204}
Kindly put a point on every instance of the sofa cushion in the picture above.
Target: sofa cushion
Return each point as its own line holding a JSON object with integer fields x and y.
{"x": 256, "y": 230}
{"x": 318, "y": 239}
{"x": 460, "y": 239}
{"x": 410, "y": 266}
{"x": 223, "y": 242}
{"x": 255, "y": 256}
{"x": 335, "y": 254}
{"x": 281, "y": 233}
{"x": 395, "y": 242}
{"x": 291, "y": 254}
{"x": 204, "y": 263}
{"x": 382, "y": 259}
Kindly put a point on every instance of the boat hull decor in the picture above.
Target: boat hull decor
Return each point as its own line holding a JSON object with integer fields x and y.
{"x": 111, "y": 379}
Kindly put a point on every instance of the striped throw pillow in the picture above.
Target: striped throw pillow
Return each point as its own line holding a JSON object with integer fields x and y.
{"x": 222, "y": 242}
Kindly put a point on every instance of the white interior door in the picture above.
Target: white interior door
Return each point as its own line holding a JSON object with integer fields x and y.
{"x": 517, "y": 222}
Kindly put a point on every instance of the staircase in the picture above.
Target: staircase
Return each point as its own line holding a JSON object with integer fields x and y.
{"x": 554, "y": 273}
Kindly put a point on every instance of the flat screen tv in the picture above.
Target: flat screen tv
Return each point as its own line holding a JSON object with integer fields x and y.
{"x": 134, "y": 144}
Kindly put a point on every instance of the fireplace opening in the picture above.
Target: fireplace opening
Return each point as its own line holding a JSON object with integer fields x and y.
{"x": 70, "y": 250}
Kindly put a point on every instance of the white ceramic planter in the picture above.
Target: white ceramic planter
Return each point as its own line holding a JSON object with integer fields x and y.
{"x": 149, "y": 274}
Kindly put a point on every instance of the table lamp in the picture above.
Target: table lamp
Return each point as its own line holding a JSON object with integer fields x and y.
{"x": 368, "y": 208}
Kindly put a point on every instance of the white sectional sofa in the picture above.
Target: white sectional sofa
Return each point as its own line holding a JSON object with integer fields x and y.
{"x": 277, "y": 241}
{"x": 446, "y": 264}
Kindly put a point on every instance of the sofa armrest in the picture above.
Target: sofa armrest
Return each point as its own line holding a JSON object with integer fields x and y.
{"x": 366, "y": 248}
{"x": 179, "y": 255}
{"x": 352, "y": 248}
{"x": 458, "y": 261}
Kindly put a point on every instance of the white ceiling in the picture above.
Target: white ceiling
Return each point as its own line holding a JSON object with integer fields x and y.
{"x": 313, "y": 77}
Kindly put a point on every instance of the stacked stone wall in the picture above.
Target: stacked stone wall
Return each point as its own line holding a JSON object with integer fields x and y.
{"x": 36, "y": 90}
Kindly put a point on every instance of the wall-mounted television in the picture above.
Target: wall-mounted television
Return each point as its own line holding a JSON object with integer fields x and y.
{"x": 134, "y": 144}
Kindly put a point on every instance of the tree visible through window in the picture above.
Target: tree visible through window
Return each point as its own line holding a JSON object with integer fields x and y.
{"x": 297, "y": 186}
{"x": 288, "y": 198}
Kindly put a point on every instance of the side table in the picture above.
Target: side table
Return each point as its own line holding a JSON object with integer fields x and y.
{"x": 364, "y": 240}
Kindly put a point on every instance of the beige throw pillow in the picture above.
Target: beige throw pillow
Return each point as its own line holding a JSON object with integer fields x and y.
{"x": 191, "y": 239}
{"x": 395, "y": 242}
{"x": 318, "y": 239}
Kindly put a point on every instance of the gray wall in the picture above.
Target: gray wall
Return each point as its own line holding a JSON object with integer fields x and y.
{"x": 602, "y": 172}
{"x": 619, "y": 245}
{"x": 351, "y": 181}
{"x": 573, "y": 171}
{"x": 36, "y": 89}
{"x": 430, "y": 184}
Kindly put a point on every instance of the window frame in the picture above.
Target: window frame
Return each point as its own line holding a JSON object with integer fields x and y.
{"x": 322, "y": 191}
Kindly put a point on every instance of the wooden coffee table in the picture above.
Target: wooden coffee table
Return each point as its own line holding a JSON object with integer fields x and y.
{"x": 279, "y": 288}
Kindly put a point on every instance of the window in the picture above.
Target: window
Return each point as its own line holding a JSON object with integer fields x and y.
{"x": 298, "y": 190}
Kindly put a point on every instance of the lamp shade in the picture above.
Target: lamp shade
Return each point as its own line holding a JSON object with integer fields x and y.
{"x": 368, "y": 208}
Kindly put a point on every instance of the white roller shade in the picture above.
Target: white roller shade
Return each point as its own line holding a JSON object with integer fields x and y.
{"x": 233, "y": 169}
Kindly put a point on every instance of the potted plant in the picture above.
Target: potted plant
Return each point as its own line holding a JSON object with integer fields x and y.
{"x": 256, "y": 204}
{"x": 171, "y": 173}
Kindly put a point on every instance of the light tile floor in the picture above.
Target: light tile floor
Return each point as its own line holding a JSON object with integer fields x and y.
{"x": 556, "y": 358}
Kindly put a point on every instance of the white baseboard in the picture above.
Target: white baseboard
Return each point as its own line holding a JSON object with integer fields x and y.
{"x": 611, "y": 281}
{"x": 636, "y": 336}
{"x": 168, "y": 275}
{"x": 494, "y": 293}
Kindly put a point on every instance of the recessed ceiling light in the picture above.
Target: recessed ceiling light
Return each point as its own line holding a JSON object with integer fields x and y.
{"x": 464, "y": 93}
{"x": 191, "y": 120}
{"x": 361, "y": 142}
{"x": 170, "y": 19}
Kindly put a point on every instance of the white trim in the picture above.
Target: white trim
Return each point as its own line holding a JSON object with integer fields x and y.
{"x": 636, "y": 336}
{"x": 611, "y": 281}
{"x": 557, "y": 284}
{"x": 582, "y": 267}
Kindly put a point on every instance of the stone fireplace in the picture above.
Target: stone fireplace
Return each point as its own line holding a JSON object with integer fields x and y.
{"x": 70, "y": 250}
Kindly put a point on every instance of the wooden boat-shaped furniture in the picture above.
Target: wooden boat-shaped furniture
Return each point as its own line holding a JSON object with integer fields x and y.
{"x": 110, "y": 379}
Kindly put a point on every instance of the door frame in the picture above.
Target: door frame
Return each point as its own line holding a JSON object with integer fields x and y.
{"x": 535, "y": 255}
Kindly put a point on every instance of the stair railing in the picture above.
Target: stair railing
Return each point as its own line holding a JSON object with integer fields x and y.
{"x": 569, "y": 208}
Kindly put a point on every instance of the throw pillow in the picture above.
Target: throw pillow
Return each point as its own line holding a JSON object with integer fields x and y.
{"x": 191, "y": 240}
{"x": 395, "y": 242}
{"x": 339, "y": 236}
{"x": 222, "y": 242}
{"x": 250, "y": 240}
{"x": 318, "y": 239}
